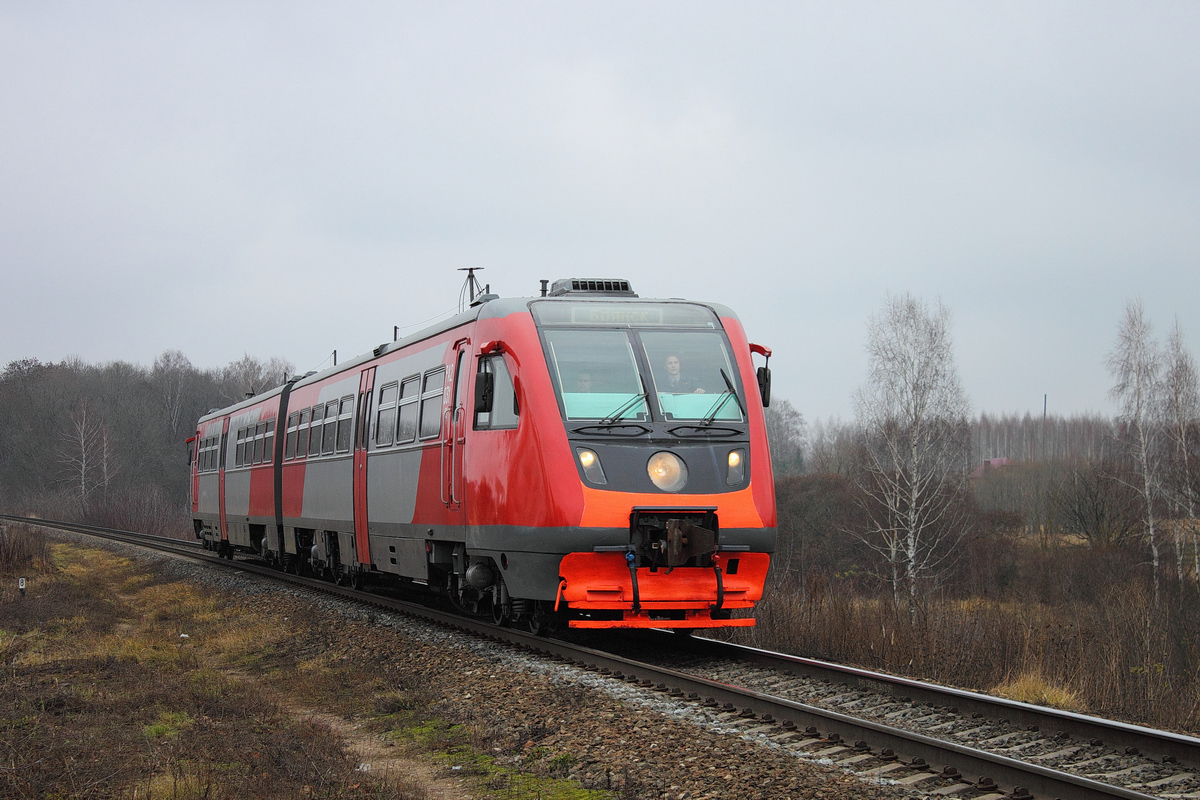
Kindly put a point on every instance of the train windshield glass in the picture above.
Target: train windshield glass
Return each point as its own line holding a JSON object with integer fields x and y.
{"x": 693, "y": 375}
{"x": 597, "y": 374}
{"x": 638, "y": 361}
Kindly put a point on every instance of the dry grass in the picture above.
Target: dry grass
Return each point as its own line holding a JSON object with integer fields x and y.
{"x": 102, "y": 697}
{"x": 1032, "y": 688}
{"x": 123, "y": 684}
{"x": 23, "y": 550}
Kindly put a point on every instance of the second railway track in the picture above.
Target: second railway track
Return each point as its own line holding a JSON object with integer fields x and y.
{"x": 936, "y": 740}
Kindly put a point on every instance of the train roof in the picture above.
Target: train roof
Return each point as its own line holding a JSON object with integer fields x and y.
{"x": 488, "y": 306}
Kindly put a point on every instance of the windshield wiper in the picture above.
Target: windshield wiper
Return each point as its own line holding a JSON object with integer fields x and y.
{"x": 722, "y": 400}
{"x": 628, "y": 404}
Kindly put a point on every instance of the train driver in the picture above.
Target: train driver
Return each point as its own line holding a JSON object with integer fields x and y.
{"x": 676, "y": 382}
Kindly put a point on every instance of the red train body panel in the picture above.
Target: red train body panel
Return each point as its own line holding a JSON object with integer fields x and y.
{"x": 533, "y": 458}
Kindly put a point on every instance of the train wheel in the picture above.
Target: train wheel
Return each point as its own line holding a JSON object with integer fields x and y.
{"x": 500, "y": 614}
{"x": 356, "y": 580}
{"x": 543, "y": 621}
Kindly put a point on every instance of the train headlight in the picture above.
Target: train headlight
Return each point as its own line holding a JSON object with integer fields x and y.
{"x": 591, "y": 465}
{"x": 668, "y": 471}
{"x": 737, "y": 467}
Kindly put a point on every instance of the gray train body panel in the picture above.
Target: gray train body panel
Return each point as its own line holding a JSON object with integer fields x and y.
{"x": 392, "y": 487}
{"x": 329, "y": 493}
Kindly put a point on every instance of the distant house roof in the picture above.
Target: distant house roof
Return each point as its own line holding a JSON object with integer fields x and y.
{"x": 990, "y": 464}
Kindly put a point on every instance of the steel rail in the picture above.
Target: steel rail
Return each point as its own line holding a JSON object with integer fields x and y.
{"x": 1150, "y": 742}
{"x": 780, "y": 716}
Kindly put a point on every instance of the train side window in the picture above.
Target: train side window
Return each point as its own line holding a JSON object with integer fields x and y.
{"x": 345, "y": 424}
{"x": 239, "y": 451}
{"x": 504, "y": 397}
{"x": 269, "y": 443}
{"x": 410, "y": 394}
{"x": 330, "y": 433}
{"x": 385, "y": 417}
{"x": 259, "y": 432}
{"x": 314, "y": 435}
{"x": 223, "y": 450}
{"x": 302, "y": 434}
{"x": 431, "y": 403}
{"x": 289, "y": 447}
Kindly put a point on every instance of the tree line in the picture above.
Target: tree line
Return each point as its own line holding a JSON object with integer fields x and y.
{"x": 107, "y": 442}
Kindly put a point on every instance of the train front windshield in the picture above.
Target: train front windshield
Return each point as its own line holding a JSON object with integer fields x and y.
{"x": 639, "y": 361}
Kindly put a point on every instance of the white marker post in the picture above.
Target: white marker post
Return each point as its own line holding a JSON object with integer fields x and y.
{"x": 21, "y": 586}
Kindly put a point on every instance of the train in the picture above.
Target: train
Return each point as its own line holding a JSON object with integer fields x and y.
{"x": 582, "y": 456}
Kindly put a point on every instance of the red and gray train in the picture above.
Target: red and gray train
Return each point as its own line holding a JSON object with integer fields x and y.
{"x": 585, "y": 456}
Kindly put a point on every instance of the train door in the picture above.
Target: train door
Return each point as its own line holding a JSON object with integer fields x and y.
{"x": 221, "y": 478}
{"x": 366, "y": 385}
{"x": 454, "y": 431}
{"x": 193, "y": 445}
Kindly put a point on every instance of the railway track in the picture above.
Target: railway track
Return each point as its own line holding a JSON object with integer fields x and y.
{"x": 937, "y": 740}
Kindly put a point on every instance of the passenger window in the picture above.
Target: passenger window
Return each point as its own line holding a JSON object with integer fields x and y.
{"x": 330, "y": 434}
{"x": 504, "y": 397}
{"x": 406, "y": 428}
{"x": 289, "y": 447}
{"x": 385, "y": 418}
{"x": 239, "y": 453}
{"x": 431, "y": 404}
{"x": 259, "y": 432}
{"x": 314, "y": 436}
{"x": 345, "y": 424}
{"x": 302, "y": 434}
{"x": 269, "y": 443}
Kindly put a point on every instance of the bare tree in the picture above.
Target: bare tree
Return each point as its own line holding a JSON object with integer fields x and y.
{"x": 248, "y": 376}
{"x": 915, "y": 439}
{"x": 1135, "y": 364}
{"x": 1180, "y": 398}
{"x": 786, "y": 435}
{"x": 1095, "y": 501}
{"x": 172, "y": 376}
{"x": 832, "y": 447}
{"x": 86, "y": 454}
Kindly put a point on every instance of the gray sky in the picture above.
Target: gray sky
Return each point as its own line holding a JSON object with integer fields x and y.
{"x": 287, "y": 179}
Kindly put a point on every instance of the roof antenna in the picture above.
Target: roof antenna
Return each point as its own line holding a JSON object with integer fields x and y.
{"x": 470, "y": 289}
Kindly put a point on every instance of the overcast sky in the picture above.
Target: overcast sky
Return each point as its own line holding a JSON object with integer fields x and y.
{"x": 286, "y": 179}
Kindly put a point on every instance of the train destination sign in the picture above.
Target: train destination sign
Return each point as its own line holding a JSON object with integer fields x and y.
{"x": 632, "y": 315}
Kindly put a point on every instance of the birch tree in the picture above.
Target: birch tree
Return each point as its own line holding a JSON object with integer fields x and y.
{"x": 915, "y": 438}
{"x": 1180, "y": 398}
{"x": 1135, "y": 365}
{"x": 87, "y": 454}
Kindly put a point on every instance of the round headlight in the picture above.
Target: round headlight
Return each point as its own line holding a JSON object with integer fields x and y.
{"x": 668, "y": 471}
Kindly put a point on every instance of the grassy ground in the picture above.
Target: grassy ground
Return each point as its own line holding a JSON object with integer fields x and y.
{"x": 119, "y": 682}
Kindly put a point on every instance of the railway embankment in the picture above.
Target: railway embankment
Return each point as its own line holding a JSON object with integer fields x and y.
{"x": 136, "y": 675}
